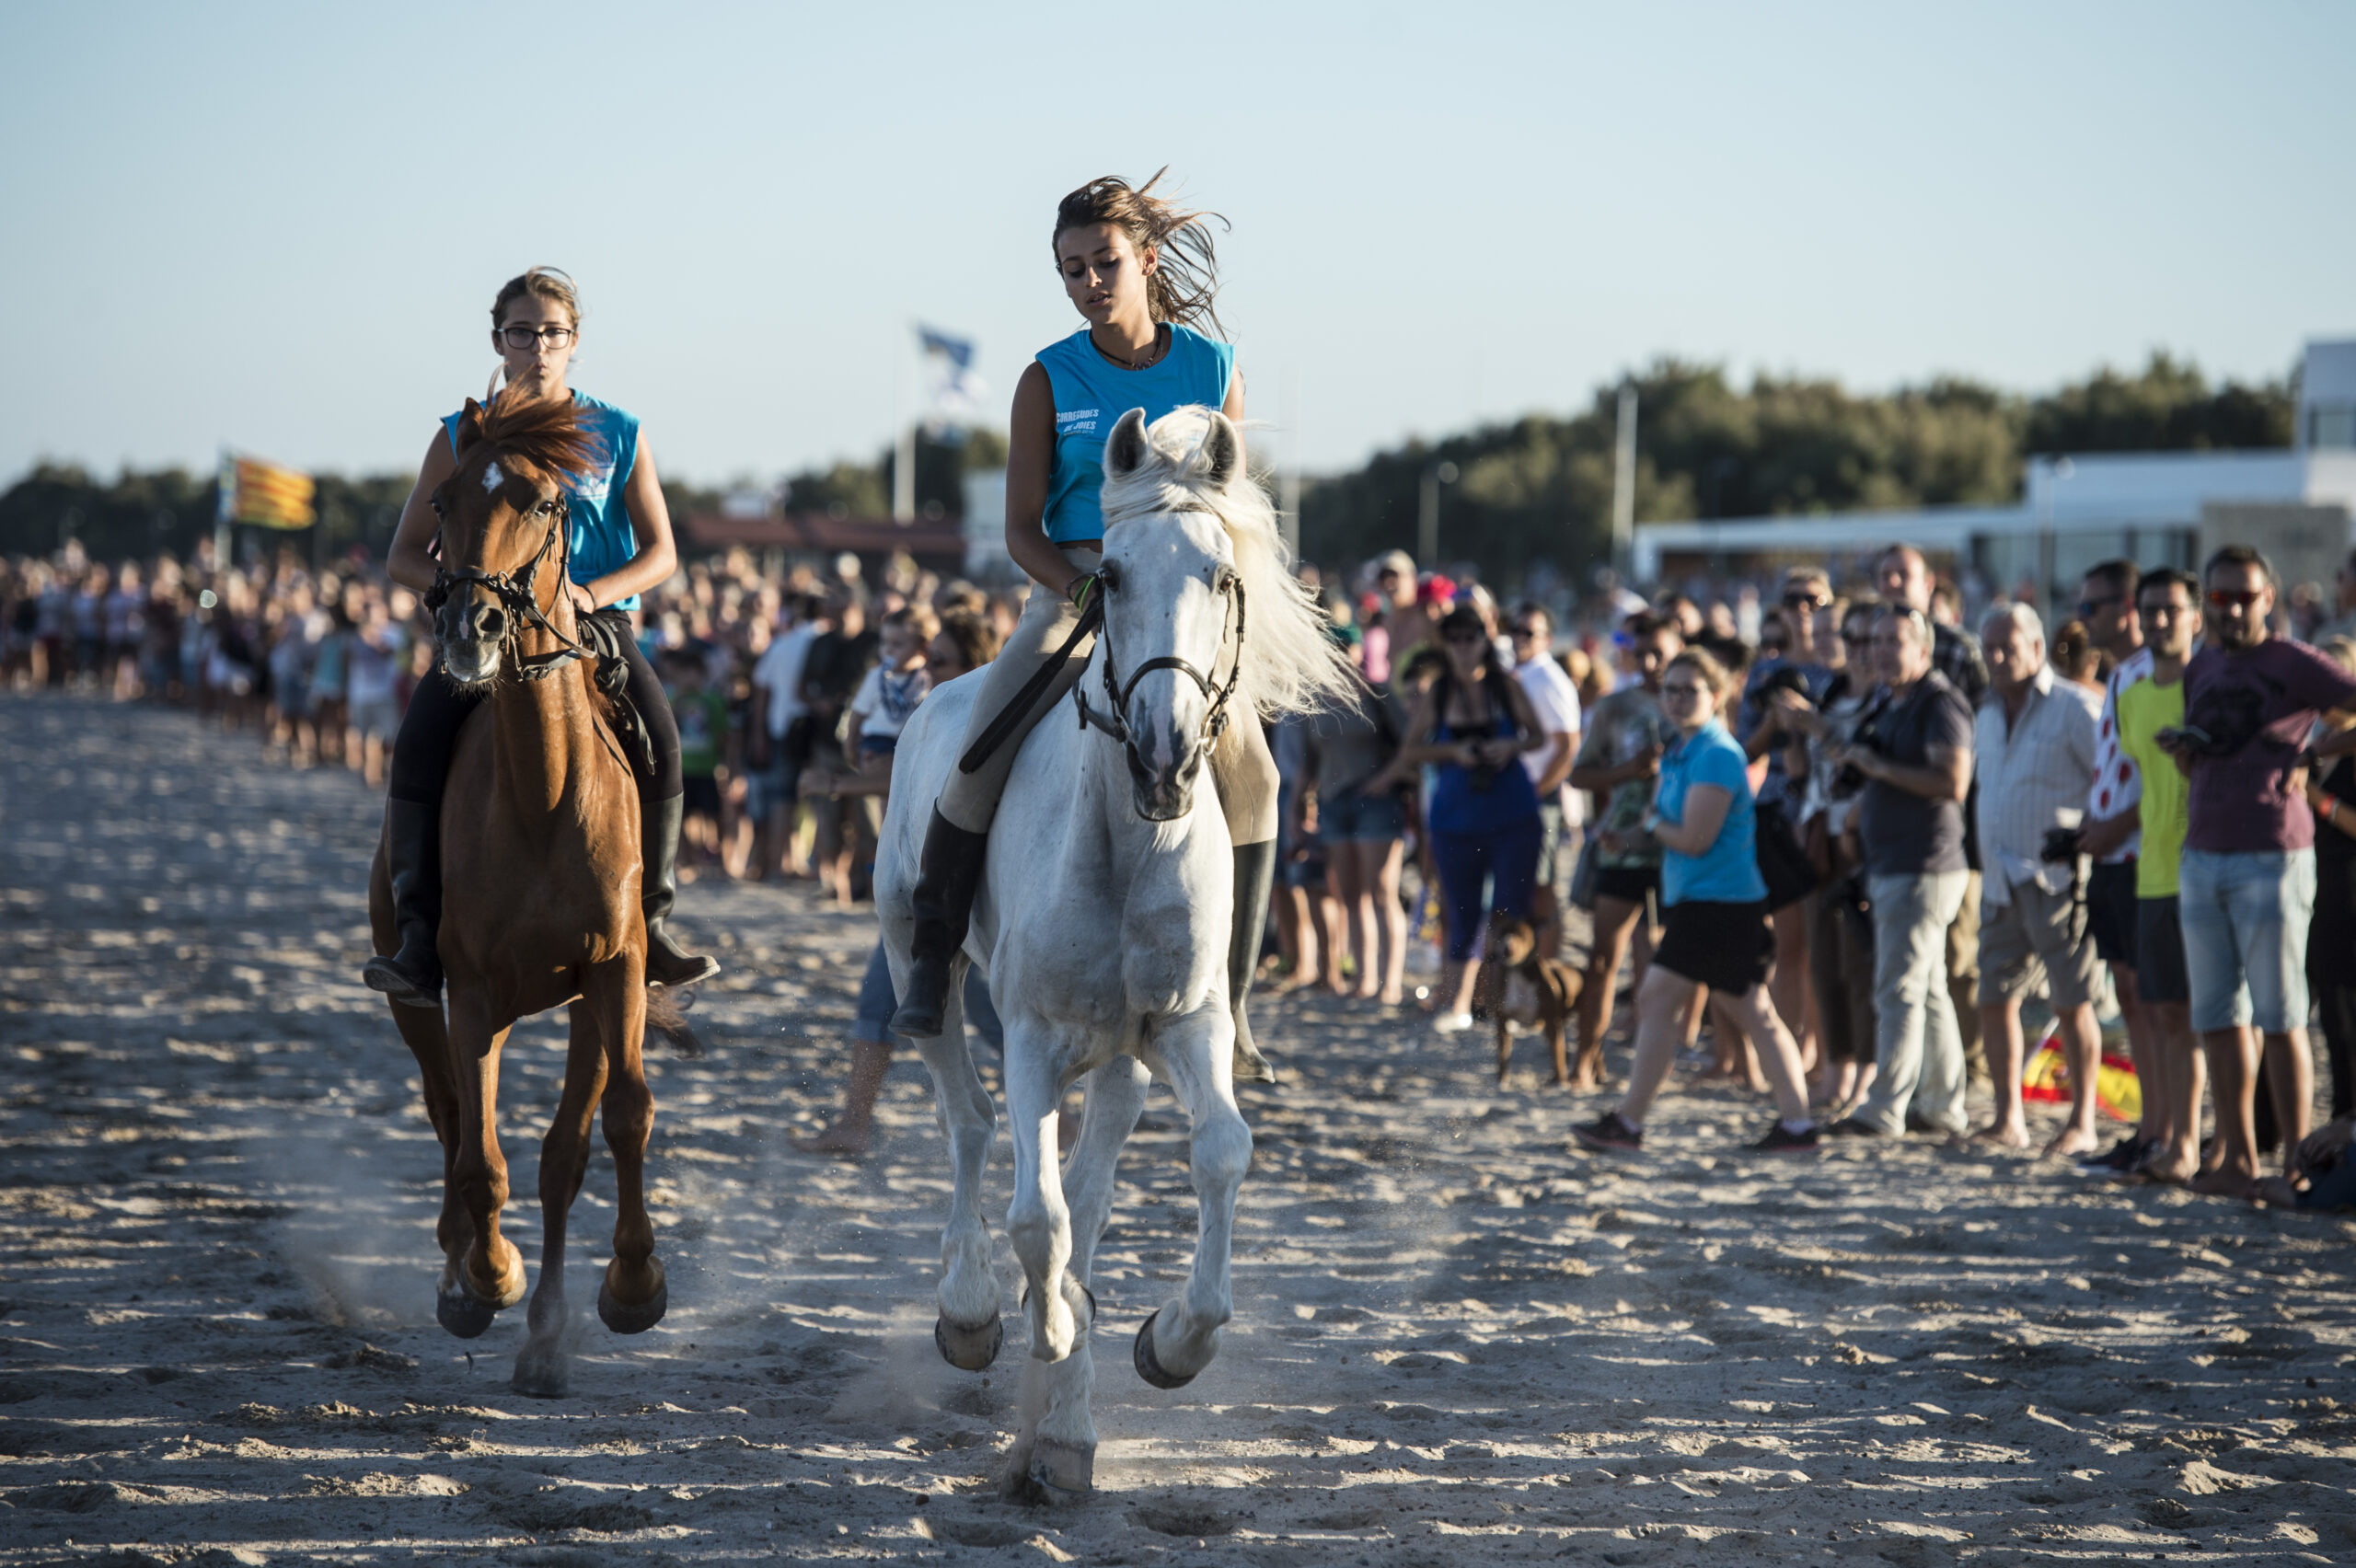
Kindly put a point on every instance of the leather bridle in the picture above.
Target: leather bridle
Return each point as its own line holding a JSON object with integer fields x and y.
{"x": 519, "y": 599}
{"x": 1117, "y": 692}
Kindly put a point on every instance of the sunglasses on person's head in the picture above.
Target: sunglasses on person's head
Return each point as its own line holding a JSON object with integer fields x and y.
{"x": 2221, "y": 598}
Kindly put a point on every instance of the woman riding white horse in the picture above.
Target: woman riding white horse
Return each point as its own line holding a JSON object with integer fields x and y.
{"x": 1106, "y": 900}
{"x": 619, "y": 546}
{"x": 1142, "y": 272}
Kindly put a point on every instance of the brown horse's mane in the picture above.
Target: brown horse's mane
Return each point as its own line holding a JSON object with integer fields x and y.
{"x": 545, "y": 432}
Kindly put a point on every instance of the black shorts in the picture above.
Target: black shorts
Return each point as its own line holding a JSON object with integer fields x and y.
{"x": 2159, "y": 953}
{"x": 2110, "y": 913}
{"x": 703, "y": 796}
{"x": 1628, "y": 885}
{"x": 1731, "y": 948}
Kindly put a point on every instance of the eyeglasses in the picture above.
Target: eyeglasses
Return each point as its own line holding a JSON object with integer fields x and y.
{"x": 2088, "y": 606}
{"x": 525, "y": 337}
{"x": 1803, "y": 602}
{"x": 1681, "y": 690}
{"x": 2221, "y": 598}
{"x": 1522, "y": 633}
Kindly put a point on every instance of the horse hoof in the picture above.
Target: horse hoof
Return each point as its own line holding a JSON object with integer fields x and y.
{"x": 635, "y": 1319}
{"x": 1061, "y": 1472}
{"x": 969, "y": 1349}
{"x": 540, "y": 1377}
{"x": 1148, "y": 1365}
{"x": 462, "y": 1315}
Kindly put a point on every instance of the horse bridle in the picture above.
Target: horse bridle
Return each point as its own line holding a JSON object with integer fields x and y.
{"x": 1117, "y": 692}
{"x": 519, "y": 600}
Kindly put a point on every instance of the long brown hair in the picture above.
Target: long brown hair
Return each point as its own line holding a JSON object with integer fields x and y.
{"x": 1183, "y": 284}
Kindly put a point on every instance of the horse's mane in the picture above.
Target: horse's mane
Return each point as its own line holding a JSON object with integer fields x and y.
{"x": 545, "y": 432}
{"x": 1290, "y": 662}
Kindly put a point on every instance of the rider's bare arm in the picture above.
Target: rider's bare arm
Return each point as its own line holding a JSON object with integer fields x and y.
{"x": 411, "y": 562}
{"x": 650, "y": 520}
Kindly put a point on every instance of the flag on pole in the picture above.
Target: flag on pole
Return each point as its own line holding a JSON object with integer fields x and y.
{"x": 268, "y": 494}
{"x": 956, "y": 392}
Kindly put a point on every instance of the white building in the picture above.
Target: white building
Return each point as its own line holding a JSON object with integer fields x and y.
{"x": 2164, "y": 508}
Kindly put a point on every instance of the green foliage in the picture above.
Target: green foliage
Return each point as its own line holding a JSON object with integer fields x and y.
{"x": 1541, "y": 488}
{"x": 139, "y": 513}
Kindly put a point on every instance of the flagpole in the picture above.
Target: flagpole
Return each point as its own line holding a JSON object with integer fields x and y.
{"x": 904, "y": 452}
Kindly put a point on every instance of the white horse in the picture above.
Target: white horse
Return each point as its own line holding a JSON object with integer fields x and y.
{"x": 1103, "y": 919}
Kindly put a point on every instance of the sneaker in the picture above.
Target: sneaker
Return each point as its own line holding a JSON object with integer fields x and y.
{"x": 1850, "y": 1127}
{"x": 2124, "y": 1155}
{"x": 1451, "y": 1024}
{"x": 1609, "y": 1135}
{"x": 1778, "y": 1141}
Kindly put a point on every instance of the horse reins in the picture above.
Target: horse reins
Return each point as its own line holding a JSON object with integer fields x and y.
{"x": 519, "y": 600}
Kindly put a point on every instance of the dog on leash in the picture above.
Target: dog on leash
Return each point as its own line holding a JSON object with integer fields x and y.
{"x": 1531, "y": 990}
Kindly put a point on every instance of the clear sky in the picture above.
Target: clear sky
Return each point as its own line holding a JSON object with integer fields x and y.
{"x": 281, "y": 227}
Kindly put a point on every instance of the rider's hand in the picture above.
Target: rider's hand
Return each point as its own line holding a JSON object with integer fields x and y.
{"x": 583, "y": 602}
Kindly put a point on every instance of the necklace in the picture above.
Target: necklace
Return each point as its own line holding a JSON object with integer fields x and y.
{"x": 1151, "y": 357}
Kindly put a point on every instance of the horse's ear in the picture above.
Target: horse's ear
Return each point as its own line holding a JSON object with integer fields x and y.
{"x": 469, "y": 427}
{"x": 1222, "y": 450}
{"x": 1125, "y": 453}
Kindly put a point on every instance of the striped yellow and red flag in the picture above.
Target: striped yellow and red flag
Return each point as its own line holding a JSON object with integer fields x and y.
{"x": 268, "y": 494}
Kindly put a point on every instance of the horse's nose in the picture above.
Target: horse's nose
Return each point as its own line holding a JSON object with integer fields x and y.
{"x": 490, "y": 622}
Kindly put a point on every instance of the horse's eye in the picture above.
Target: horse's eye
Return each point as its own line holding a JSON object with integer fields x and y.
{"x": 439, "y": 510}
{"x": 1108, "y": 577}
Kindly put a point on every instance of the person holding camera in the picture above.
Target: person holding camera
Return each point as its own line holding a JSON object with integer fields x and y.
{"x": 2033, "y": 747}
{"x": 1915, "y": 753}
{"x": 2246, "y": 881}
{"x": 1474, "y": 723}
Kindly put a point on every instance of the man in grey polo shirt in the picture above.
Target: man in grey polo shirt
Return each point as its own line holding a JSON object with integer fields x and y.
{"x": 2034, "y": 750}
{"x": 1915, "y": 753}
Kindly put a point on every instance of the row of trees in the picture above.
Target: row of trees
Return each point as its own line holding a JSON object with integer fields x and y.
{"x": 1540, "y": 487}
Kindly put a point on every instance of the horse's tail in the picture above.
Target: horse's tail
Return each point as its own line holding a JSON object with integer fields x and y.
{"x": 666, "y": 1016}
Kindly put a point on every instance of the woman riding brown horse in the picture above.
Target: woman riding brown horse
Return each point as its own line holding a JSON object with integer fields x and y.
{"x": 540, "y": 855}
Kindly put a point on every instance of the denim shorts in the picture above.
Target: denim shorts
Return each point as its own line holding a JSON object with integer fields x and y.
{"x": 2245, "y": 921}
{"x": 771, "y": 789}
{"x": 1353, "y": 818}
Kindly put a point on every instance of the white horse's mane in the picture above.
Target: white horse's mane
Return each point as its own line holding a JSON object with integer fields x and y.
{"x": 1290, "y": 662}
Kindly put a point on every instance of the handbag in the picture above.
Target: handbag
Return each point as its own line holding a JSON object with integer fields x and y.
{"x": 1782, "y": 864}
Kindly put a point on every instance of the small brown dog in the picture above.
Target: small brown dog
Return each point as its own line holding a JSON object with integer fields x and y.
{"x": 1524, "y": 987}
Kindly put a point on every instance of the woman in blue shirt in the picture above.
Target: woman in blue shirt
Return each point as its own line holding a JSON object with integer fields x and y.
{"x": 620, "y": 547}
{"x": 1141, "y": 271}
{"x": 1717, "y": 933}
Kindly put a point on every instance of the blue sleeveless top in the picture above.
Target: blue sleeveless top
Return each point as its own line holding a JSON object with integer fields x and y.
{"x": 1461, "y": 805}
{"x": 1091, "y": 392}
{"x": 602, "y": 540}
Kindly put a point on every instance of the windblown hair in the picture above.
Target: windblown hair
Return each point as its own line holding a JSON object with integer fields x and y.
{"x": 1290, "y": 663}
{"x": 545, "y": 432}
{"x": 553, "y": 284}
{"x": 1184, "y": 283}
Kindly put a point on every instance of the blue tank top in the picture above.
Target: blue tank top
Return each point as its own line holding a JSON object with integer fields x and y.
{"x": 1091, "y": 392}
{"x": 602, "y": 540}
{"x": 1462, "y": 805}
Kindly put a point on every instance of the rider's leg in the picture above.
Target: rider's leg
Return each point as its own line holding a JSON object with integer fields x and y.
{"x": 1244, "y": 773}
{"x": 950, "y": 870}
{"x": 421, "y": 749}
{"x": 661, "y": 805}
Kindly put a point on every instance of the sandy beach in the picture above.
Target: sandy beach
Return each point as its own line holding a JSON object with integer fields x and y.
{"x": 1457, "y": 1338}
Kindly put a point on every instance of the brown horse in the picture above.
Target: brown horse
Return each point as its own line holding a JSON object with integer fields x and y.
{"x": 540, "y": 867}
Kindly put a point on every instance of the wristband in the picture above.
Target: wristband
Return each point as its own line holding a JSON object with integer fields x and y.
{"x": 1079, "y": 588}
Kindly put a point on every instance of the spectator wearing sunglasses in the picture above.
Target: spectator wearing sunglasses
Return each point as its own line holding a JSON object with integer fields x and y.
{"x": 2247, "y": 878}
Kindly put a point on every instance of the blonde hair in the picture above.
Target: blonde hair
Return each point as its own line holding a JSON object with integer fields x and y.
{"x": 1183, "y": 284}
{"x": 553, "y": 284}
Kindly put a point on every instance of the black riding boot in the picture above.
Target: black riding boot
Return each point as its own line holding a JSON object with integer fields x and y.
{"x": 1256, "y": 873}
{"x": 667, "y": 963}
{"x": 413, "y": 856}
{"x": 948, "y": 874}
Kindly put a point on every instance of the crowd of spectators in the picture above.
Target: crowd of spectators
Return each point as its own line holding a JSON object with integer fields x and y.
{"x": 2144, "y": 817}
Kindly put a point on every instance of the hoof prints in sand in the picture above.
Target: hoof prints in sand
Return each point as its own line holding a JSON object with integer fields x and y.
{"x": 1454, "y": 1341}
